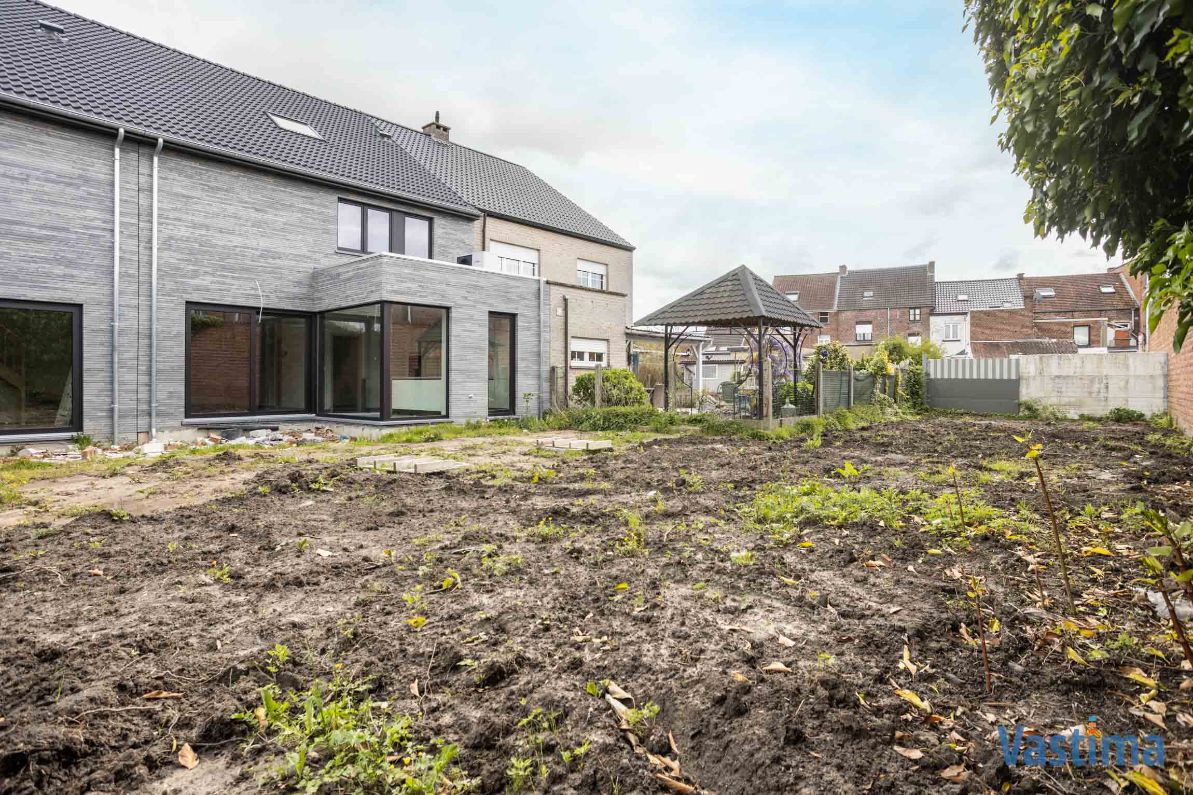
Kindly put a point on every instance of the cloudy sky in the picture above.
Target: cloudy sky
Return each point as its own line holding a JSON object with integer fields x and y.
{"x": 790, "y": 136}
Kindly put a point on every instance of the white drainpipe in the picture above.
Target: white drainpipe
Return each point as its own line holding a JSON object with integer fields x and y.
{"x": 542, "y": 375}
{"x": 153, "y": 302}
{"x": 116, "y": 287}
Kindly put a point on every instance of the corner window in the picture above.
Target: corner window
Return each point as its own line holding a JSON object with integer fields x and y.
{"x": 246, "y": 361}
{"x": 41, "y": 348}
{"x": 588, "y": 352}
{"x": 913, "y": 315}
{"x": 515, "y": 259}
{"x": 371, "y": 230}
{"x": 1081, "y": 336}
{"x": 501, "y": 363}
{"x": 592, "y": 274}
{"x": 864, "y": 332}
{"x": 417, "y": 361}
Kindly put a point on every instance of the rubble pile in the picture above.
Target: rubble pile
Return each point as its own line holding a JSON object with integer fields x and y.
{"x": 257, "y": 437}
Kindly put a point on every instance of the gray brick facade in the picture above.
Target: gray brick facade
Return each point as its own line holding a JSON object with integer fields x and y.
{"x": 228, "y": 234}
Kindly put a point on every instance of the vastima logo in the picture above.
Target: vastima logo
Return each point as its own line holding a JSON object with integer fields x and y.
{"x": 1083, "y": 746}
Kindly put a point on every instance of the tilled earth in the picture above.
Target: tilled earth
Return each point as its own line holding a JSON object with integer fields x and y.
{"x": 558, "y": 585}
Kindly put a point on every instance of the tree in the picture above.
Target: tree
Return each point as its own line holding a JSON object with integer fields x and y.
{"x": 832, "y": 355}
{"x": 1098, "y": 104}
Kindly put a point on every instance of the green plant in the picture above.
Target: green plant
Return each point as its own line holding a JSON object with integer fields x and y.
{"x": 277, "y": 657}
{"x": 500, "y": 565}
{"x": 848, "y": 471}
{"x": 691, "y": 481}
{"x": 1033, "y": 454}
{"x": 519, "y": 773}
{"x": 643, "y": 716}
{"x": 1035, "y": 410}
{"x": 634, "y": 540}
{"x": 619, "y": 387}
{"x": 1125, "y": 415}
{"x": 575, "y": 754}
{"x": 1170, "y": 559}
{"x": 82, "y": 441}
{"x": 119, "y": 514}
{"x": 742, "y": 557}
{"x": 302, "y": 544}
{"x": 338, "y": 740}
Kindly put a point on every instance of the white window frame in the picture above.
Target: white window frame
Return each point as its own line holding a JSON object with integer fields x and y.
{"x": 793, "y": 296}
{"x": 1088, "y": 336}
{"x": 710, "y": 372}
{"x": 593, "y": 275}
{"x": 515, "y": 259}
{"x": 913, "y": 315}
{"x": 587, "y": 353}
{"x": 869, "y": 332}
{"x": 952, "y": 332}
{"x": 914, "y": 339}
{"x": 294, "y": 126}
{"x": 824, "y": 339}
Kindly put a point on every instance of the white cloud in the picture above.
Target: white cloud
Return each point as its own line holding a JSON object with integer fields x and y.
{"x": 706, "y": 148}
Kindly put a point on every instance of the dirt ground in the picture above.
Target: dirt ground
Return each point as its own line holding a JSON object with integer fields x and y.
{"x": 472, "y": 598}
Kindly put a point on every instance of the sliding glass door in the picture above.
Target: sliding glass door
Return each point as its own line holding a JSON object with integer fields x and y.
{"x": 246, "y": 361}
{"x": 41, "y": 349}
{"x": 351, "y": 368}
{"x": 501, "y": 363}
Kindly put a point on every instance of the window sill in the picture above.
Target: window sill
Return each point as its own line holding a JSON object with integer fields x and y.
{"x": 17, "y": 437}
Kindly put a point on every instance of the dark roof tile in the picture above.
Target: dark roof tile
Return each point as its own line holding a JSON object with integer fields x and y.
{"x": 736, "y": 298}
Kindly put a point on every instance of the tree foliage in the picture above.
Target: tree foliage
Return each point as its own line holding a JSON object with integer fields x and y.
{"x": 618, "y": 388}
{"x": 1098, "y": 103}
{"x": 832, "y": 355}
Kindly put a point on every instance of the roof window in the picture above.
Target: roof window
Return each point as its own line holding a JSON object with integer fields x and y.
{"x": 1045, "y": 292}
{"x": 295, "y": 126}
{"x": 793, "y": 296}
{"x": 1106, "y": 289}
{"x": 962, "y": 297}
{"x": 867, "y": 294}
{"x": 51, "y": 29}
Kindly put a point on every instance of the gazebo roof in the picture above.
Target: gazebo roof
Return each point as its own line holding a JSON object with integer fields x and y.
{"x": 739, "y": 298}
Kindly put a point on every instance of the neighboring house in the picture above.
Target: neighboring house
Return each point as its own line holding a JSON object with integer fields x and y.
{"x": 1098, "y": 312}
{"x": 723, "y": 358}
{"x": 866, "y": 306}
{"x": 644, "y": 352}
{"x": 528, "y": 227}
{"x": 968, "y": 311}
{"x": 275, "y": 257}
{"x": 1160, "y": 340}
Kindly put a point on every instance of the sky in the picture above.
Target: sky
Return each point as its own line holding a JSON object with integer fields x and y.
{"x": 792, "y": 137}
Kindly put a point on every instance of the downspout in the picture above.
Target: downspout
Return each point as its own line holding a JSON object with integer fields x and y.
{"x": 542, "y": 331}
{"x": 116, "y": 287}
{"x": 567, "y": 352}
{"x": 153, "y": 302}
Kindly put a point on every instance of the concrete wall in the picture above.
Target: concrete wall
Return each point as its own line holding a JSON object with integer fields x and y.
{"x": 1093, "y": 385}
{"x": 225, "y": 232}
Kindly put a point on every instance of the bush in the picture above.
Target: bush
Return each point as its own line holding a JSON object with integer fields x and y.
{"x": 1034, "y": 410}
{"x": 614, "y": 418}
{"x": 618, "y": 388}
{"x": 1125, "y": 415}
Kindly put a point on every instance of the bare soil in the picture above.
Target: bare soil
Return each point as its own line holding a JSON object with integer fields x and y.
{"x": 99, "y": 610}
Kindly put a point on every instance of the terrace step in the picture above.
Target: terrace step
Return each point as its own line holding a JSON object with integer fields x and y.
{"x": 414, "y": 464}
{"x": 576, "y": 444}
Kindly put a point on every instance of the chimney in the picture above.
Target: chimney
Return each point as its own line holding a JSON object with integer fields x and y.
{"x": 842, "y": 269}
{"x": 931, "y": 270}
{"x": 440, "y": 132}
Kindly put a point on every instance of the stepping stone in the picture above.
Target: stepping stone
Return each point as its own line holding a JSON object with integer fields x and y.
{"x": 576, "y": 444}
{"x": 419, "y": 465}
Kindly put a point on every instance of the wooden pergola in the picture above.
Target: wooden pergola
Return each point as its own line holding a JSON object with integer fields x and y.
{"x": 739, "y": 300}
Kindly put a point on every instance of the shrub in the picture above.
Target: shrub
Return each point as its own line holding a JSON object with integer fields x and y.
{"x": 1125, "y": 415}
{"x": 614, "y": 418}
{"x": 1034, "y": 410}
{"x": 836, "y": 357}
{"x": 618, "y": 388}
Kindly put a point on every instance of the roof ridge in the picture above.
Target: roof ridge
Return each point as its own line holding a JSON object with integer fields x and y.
{"x": 746, "y": 276}
{"x": 456, "y": 144}
{"x": 837, "y": 291}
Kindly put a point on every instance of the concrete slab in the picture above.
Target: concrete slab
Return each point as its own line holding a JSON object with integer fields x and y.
{"x": 576, "y": 444}
{"x": 419, "y": 465}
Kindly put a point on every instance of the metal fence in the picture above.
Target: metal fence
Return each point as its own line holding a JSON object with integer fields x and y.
{"x": 987, "y": 386}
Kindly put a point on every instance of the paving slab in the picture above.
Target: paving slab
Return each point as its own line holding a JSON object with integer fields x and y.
{"x": 419, "y": 465}
{"x": 576, "y": 444}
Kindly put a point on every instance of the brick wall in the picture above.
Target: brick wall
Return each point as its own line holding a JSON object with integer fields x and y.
{"x": 842, "y": 326}
{"x": 1180, "y": 371}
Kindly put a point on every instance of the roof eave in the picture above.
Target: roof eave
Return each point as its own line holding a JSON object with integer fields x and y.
{"x": 98, "y": 122}
{"x": 624, "y": 246}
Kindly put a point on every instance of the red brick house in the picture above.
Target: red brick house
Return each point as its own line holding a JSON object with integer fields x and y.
{"x": 1096, "y": 311}
{"x": 860, "y": 308}
{"x": 1180, "y": 365}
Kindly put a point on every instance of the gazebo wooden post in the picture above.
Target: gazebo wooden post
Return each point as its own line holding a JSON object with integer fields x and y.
{"x": 763, "y": 403}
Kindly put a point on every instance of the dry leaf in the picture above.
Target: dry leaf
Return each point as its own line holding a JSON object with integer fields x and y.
{"x": 914, "y": 700}
{"x": 1074, "y": 656}
{"x": 671, "y": 742}
{"x": 907, "y": 663}
{"x": 615, "y": 690}
{"x": 618, "y": 707}
{"x": 955, "y": 773}
{"x": 187, "y": 757}
{"x": 1137, "y": 675}
{"x": 414, "y": 689}
{"x": 776, "y": 668}
{"x": 910, "y": 753}
{"x": 673, "y": 785}
{"x": 1187, "y": 684}
{"x": 259, "y": 714}
{"x": 1144, "y": 783}
{"x": 156, "y": 694}
{"x": 738, "y": 676}
{"x": 788, "y": 642}
{"x": 96, "y": 572}
{"x": 324, "y": 553}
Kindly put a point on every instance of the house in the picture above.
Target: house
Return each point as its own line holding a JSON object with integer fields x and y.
{"x": 860, "y": 308}
{"x": 186, "y": 246}
{"x": 1098, "y": 312}
{"x": 965, "y": 313}
{"x": 1160, "y": 340}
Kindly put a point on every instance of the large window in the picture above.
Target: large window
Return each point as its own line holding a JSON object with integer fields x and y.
{"x": 417, "y": 361}
{"x": 41, "y": 348}
{"x": 351, "y": 362}
{"x": 377, "y": 229}
{"x": 501, "y": 363}
{"x": 592, "y": 274}
{"x": 247, "y": 361}
{"x": 864, "y": 332}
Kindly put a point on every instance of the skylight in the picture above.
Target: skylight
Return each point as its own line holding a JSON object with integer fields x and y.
{"x": 962, "y": 297}
{"x": 295, "y": 126}
{"x": 794, "y": 296}
{"x": 867, "y": 294}
{"x": 1107, "y": 289}
{"x": 1045, "y": 292}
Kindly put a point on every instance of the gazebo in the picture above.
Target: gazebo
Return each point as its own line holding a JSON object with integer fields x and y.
{"x": 739, "y": 300}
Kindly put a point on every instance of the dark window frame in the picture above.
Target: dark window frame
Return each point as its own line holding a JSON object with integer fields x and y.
{"x": 76, "y": 365}
{"x": 386, "y": 410}
{"x": 822, "y": 317}
{"x": 397, "y": 229}
{"x": 254, "y": 377}
{"x": 913, "y": 315}
{"x": 513, "y": 409}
